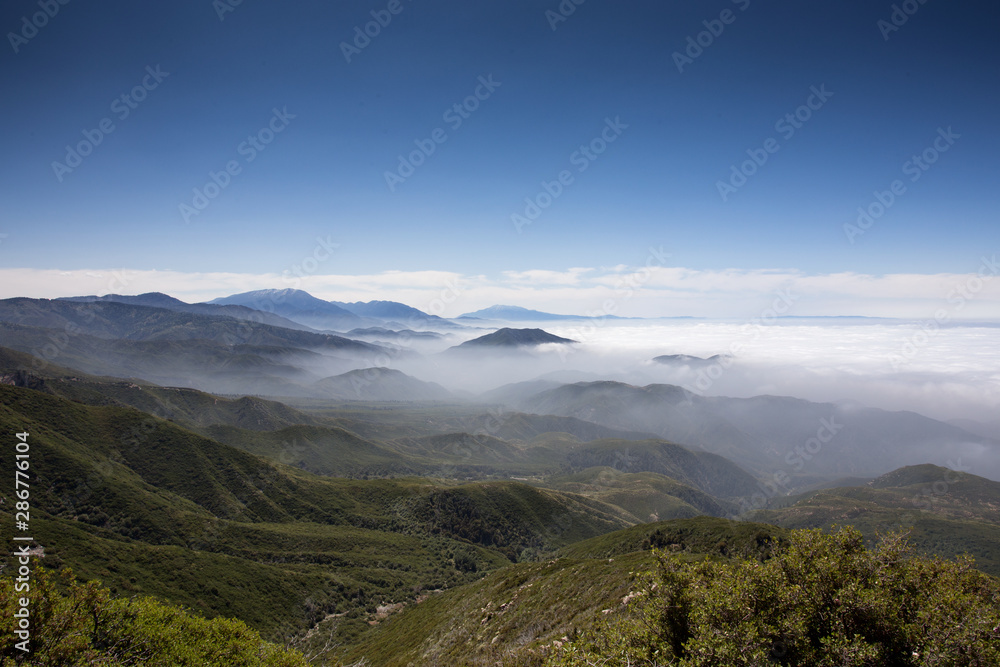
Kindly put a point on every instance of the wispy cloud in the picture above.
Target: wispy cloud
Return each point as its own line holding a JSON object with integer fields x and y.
{"x": 539, "y": 277}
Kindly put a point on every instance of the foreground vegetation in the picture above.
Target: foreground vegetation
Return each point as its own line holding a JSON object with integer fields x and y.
{"x": 825, "y": 600}
{"x": 802, "y": 598}
{"x": 82, "y": 624}
{"x": 507, "y": 617}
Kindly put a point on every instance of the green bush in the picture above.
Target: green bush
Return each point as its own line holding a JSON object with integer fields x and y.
{"x": 74, "y": 624}
{"x": 825, "y": 600}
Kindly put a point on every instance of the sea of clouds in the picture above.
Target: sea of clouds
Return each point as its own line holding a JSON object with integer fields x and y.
{"x": 945, "y": 372}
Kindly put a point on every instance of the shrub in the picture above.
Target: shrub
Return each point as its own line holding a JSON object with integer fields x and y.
{"x": 824, "y": 600}
{"x": 75, "y": 624}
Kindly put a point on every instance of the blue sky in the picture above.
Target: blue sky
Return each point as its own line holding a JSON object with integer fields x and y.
{"x": 344, "y": 124}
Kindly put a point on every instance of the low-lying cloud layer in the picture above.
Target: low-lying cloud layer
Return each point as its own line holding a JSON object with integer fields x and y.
{"x": 946, "y": 373}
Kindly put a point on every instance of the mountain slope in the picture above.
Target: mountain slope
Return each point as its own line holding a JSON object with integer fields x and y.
{"x": 201, "y": 364}
{"x": 516, "y": 314}
{"x": 322, "y": 450}
{"x": 387, "y": 310}
{"x": 380, "y": 384}
{"x": 945, "y": 511}
{"x": 298, "y": 306}
{"x": 150, "y": 507}
{"x": 114, "y": 320}
{"x": 708, "y": 472}
{"x": 804, "y": 441}
{"x": 647, "y": 496}
{"x": 188, "y": 407}
{"x": 512, "y": 611}
{"x": 160, "y": 300}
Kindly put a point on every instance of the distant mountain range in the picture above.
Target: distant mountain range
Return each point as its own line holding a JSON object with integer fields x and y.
{"x": 299, "y": 306}
{"x": 160, "y": 300}
{"x": 239, "y": 505}
{"x": 304, "y": 308}
{"x": 773, "y": 435}
{"x": 518, "y": 314}
{"x": 390, "y": 310}
{"x": 213, "y": 352}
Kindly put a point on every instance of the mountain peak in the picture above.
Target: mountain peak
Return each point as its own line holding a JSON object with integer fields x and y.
{"x": 279, "y": 295}
{"x": 155, "y": 299}
{"x": 515, "y": 314}
{"x": 508, "y": 337}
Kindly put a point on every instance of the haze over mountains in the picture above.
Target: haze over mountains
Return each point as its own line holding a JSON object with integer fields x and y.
{"x": 250, "y": 439}
{"x": 269, "y": 343}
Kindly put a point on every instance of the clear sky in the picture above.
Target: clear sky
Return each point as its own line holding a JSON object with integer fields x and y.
{"x": 310, "y": 115}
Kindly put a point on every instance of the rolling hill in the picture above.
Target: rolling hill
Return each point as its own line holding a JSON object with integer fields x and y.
{"x": 807, "y": 442}
{"x": 379, "y": 384}
{"x": 946, "y": 512}
{"x": 114, "y": 320}
{"x": 511, "y": 613}
{"x": 160, "y": 300}
{"x": 148, "y": 506}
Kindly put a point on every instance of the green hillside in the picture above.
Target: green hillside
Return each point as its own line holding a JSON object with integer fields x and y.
{"x": 708, "y": 472}
{"x": 699, "y": 536}
{"x": 321, "y": 450}
{"x": 647, "y": 496}
{"x": 513, "y": 611}
{"x": 411, "y": 533}
{"x": 147, "y": 506}
{"x": 947, "y": 512}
